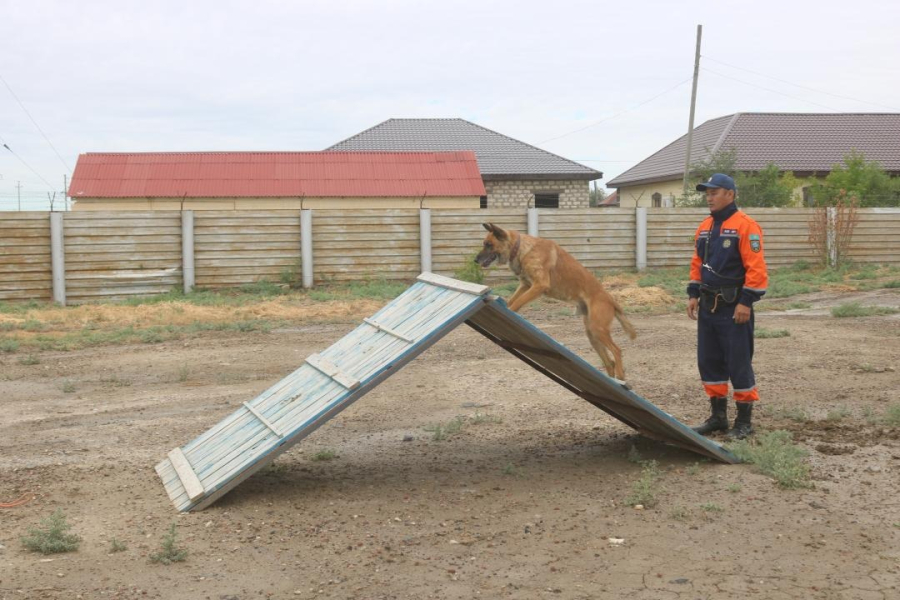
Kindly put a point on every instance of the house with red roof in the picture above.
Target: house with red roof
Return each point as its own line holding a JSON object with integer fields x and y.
{"x": 807, "y": 144}
{"x": 276, "y": 180}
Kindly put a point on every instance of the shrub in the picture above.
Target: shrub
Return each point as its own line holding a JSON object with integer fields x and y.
{"x": 169, "y": 552}
{"x": 53, "y": 537}
{"x": 774, "y": 454}
{"x": 470, "y": 270}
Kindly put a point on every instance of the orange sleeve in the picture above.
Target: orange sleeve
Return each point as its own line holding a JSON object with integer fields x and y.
{"x": 756, "y": 279}
{"x": 694, "y": 284}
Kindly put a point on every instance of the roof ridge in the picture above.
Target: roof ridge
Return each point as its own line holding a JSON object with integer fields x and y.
{"x": 725, "y": 133}
{"x": 530, "y": 146}
{"x": 667, "y": 146}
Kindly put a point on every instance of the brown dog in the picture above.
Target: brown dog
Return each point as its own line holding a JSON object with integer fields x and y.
{"x": 543, "y": 267}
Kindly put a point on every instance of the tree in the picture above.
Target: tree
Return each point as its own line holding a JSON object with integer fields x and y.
{"x": 597, "y": 195}
{"x": 767, "y": 187}
{"x": 857, "y": 178}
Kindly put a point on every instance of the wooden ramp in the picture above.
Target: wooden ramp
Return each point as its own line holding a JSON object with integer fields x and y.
{"x": 201, "y": 472}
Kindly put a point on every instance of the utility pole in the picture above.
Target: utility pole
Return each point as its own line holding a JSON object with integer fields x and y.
{"x": 19, "y": 193}
{"x": 65, "y": 191}
{"x": 690, "y": 135}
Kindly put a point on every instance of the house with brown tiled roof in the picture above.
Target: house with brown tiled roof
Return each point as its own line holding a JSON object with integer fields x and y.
{"x": 808, "y": 144}
{"x": 515, "y": 174}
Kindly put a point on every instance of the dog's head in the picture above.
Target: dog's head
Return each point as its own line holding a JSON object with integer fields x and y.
{"x": 497, "y": 246}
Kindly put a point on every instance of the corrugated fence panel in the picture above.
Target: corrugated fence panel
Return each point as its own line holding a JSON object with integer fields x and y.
{"x": 25, "y": 272}
{"x": 365, "y": 244}
{"x": 233, "y": 248}
{"x": 876, "y": 237}
{"x": 597, "y": 238}
{"x": 785, "y": 235}
{"x": 670, "y": 235}
{"x": 457, "y": 234}
{"x": 117, "y": 254}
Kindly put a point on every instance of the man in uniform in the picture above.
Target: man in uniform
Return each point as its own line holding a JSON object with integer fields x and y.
{"x": 728, "y": 274}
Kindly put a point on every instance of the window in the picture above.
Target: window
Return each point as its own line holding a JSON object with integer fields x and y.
{"x": 657, "y": 199}
{"x": 482, "y": 203}
{"x": 546, "y": 200}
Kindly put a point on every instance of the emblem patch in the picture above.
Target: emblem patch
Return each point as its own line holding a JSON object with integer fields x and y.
{"x": 726, "y": 244}
{"x": 755, "y": 242}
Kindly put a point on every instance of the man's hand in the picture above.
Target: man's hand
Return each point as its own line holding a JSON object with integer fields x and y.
{"x": 741, "y": 314}
{"x": 692, "y": 308}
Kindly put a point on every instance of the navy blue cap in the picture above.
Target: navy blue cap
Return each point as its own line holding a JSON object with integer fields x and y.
{"x": 718, "y": 180}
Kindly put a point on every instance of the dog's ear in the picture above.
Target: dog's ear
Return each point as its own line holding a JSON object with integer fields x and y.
{"x": 498, "y": 232}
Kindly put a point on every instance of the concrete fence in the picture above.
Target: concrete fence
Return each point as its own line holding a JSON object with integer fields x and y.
{"x": 82, "y": 256}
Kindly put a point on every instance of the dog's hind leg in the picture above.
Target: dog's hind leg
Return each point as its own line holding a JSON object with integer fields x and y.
{"x": 597, "y": 324}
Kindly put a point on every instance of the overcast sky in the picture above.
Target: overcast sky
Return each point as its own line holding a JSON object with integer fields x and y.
{"x": 575, "y": 78}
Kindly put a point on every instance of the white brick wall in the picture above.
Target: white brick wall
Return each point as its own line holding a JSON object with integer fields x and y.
{"x": 516, "y": 194}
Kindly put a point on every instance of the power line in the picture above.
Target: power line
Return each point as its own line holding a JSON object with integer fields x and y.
{"x": 618, "y": 114}
{"x": 62, "y": 160}
{"x": 801, "y": 86}
{"x": 768, "y": 89}
{"x": 22, "y": 160}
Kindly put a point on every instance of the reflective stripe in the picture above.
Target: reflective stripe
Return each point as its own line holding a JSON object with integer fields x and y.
{"x": 760, "y": 290}
{"x": 746, "y": 390}
{"x": 716, "y": 383}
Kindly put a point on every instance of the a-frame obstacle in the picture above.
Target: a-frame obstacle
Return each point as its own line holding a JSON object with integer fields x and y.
{"x": 245, "y": 441}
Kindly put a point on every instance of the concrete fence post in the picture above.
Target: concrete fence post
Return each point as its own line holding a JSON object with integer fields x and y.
{"x": 425, "y": 239}
{"x": 831, "y": 236}
{"x": 640, "y": 220}
{"x": 533, "y": 222}
{"x": 187, "y": 251}
{"x": 306, "y": 248}
{"x": 58, "y": 258}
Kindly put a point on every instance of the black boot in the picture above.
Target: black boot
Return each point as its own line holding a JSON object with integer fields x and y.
{"x": 742, "y": 427}
{"x": 718, "y": 417}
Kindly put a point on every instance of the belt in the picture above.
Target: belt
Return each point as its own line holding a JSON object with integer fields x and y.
{"x": 728, "y": 295}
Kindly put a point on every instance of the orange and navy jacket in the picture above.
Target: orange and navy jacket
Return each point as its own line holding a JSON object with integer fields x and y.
{"x": 729, "y": 252}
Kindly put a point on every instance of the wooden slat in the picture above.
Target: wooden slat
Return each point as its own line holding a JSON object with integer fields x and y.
{"x": 189, "y": 479}
{"x": 263, "y": 420}
{"x": 326, "y": 367}
{"x": 454, "y": 284}
{"x": 388, "y": 330}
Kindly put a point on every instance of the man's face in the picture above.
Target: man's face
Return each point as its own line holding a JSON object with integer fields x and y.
{"x": 718, "y": 198}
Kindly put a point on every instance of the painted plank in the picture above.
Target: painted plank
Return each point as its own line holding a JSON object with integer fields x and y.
{"x": 189, "y": 480}
{"x": 320, "y": 364}
{"x": 454, "y": 284}
{"x": 388, "y": 330}
{"x": 264, "y": 420}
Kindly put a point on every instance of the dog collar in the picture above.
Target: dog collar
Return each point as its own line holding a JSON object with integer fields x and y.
{"x": 515, "y": 250}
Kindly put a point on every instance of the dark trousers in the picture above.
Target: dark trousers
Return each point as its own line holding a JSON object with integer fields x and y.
{"x": 725, "y": 353}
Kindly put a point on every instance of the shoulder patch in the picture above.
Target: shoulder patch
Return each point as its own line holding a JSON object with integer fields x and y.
{"x": 755, "y": 242}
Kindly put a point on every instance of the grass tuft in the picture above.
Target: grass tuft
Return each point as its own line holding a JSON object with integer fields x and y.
{"x": 169, "y": 552}
{"x": 644, "y": 491}
{"x": 326, "y": 454}
{"x": 855, "y": 309}
{"x": 762, "y": 333}
{"x": 470, "y": 270}
{"x": 774, "y": 454}
{"x": 892, "y": 416}
{"x": 52, "y": 537}
{"x": 117, "y": 546}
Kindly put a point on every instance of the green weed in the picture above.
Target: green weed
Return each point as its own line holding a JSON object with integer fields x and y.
{"x": 9, "y": 345}
{"x": 762, "y": 333}
{"x": 31, "y": 359}
{"x": 169, "y": 551}
{"x": 117, "y": 546}
{"x": 837, "y": 414}
{"x": 68, "y": 387}
{"x": 644, "y": 491}
{"x": 774, "y": 454}
{"x": 52, "y": 537}
{"x": 469, "y": 270}
{"x": 326, "y": 454}
{"x": 855, "y": 309}
{"x": 892, "y": 416}
{"x": 711, "y": 507}
{"x": 734, "y": 488}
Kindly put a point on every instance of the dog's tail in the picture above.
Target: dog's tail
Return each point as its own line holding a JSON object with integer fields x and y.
{"x": 626, "y": 324}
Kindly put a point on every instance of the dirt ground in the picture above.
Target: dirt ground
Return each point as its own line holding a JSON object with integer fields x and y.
{"x": 527, "y": 501}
